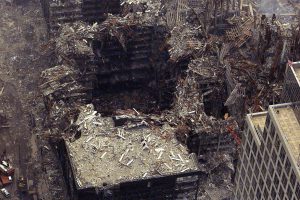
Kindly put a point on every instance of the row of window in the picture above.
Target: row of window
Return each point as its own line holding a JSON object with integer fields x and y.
{"x": 291, "y": 88}
{"x": 267, "y": 186}
{"x": 267, "y": 167}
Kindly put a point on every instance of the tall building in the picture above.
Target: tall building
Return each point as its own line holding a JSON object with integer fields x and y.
{"x": 291, "y": 88}
{"x": 269, "y": 161}
{"x": 268, "y": 166}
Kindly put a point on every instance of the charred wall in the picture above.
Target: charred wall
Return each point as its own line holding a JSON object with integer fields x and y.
{"x": 202, "y": 144}
{"x": 139, "y": 64}
{"x": 67, "y": 169}
{"x": 97, "y": 10}
{"x": 134, "y": 64}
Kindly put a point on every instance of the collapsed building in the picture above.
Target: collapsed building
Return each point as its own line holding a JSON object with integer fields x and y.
{"x": 125, "y": 157}
{"x": 144, "y": 74}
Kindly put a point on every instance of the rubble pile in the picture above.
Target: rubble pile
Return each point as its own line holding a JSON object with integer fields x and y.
{"x": 184, "y": 43}
{"x": 132, "y": 151}
{"x": 61, "y": 82}
{"x": 143, "y": 11}
{"x": 58, "y": 12}
{"x": 75, "y": 39}
{"x": 189, "y": 108}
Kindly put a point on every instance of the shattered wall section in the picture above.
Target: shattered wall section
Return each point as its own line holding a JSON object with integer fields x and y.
{"x": 61, "y": 83}
{"x": 91, "y": 11}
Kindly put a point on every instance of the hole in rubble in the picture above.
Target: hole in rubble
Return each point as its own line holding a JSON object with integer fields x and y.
{"x": 134, "y": 73}
{"x": 215, "y": 108}
{"x": 3, "y": 121}
{"x": 214, "y": 103}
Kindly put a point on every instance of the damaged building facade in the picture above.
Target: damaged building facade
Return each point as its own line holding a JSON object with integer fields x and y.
{"x": 146, "y": 99}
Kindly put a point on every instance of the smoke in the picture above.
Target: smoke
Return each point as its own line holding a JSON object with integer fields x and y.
{"x": 278, "y": 7}
{"x": 268, "y": 6}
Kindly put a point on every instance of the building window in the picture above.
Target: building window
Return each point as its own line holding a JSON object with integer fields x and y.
{"x": 238, "y": 196}
{"x": 254, "y": 182}
{"x": 249, "y": 170}
{"x": 262, "y": 146}
{"x": 261, "y": 181}
{"x": 246, "y": 126}
{"x": 259, "y": 157}
{"x": 265, "y": 133}
{"x": 256, "y": 170}
{"x": 258, "y": 194}
{"x": 243, "y": 172}
{"x": 286, "y": 198}
{"x": 277, "y": 142}
{"x": 247, "y": 182}
{"x": 247, "y": 148}
{"x": 293, "y": 178}
{"x": 271, "y": 169}
{"x": 245, "y": 195}
{"x": 254, "y": 148}
{"x": 282, "y": 154}
{"x": 237, "y": 176}
{"x": 239, "y": 163}
{"x": 272, "y": 131}
{"x": 266, "y": 194}
{"x": 269, "y": 144}
{"x": 273, "y": 193}
{"x": 268, "y": 181}
{"x": 241, "y": 185}
{"x": 266, "y": 158}
{"x": 241, "y": 182}
{"x": 279, "y": 167}
{"x": 263, "y": 169}
{"x": 245, "y": 161}
{"x": 276, "y": 180}
{"x": 274, "y": 155}
{"x": 289, "y": 192}
{"x": 284, "y": 180}
{"x": 268, "y": 120}
{"x": 298, "y": 191}
{"x": 281, "y": 192}
{"x": 251, "y": 194}
{"x": 287, "y": 166}
{"x": 250, "y": 138}
{"x": 252, "y": 159}
{"x": 244, "y": 139}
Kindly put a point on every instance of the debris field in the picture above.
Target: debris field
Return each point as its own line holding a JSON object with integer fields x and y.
{"x": 142, "y": 90}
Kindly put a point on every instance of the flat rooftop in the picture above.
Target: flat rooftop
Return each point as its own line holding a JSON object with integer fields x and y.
{"x": 106, "y": 155}
{"x": 285, "y": 115}
{"x": 258, "y": 119}
{"x": 297, "y": 71}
